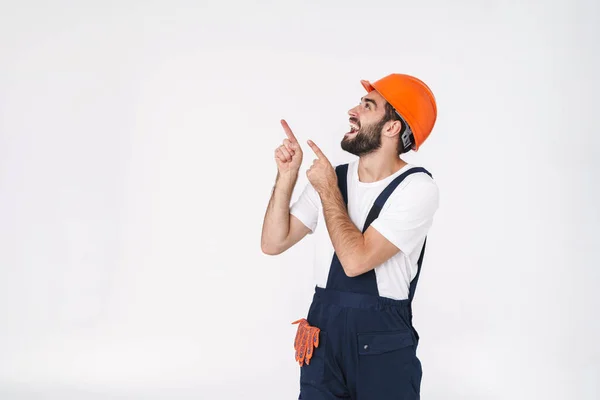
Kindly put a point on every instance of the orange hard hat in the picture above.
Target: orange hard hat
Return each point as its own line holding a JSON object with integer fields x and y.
{"x": 412, "y": 99}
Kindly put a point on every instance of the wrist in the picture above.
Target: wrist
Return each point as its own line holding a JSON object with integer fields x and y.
{"x": 290, "y": 173}
{"x": 326, "y": 193}
{"x": 285, "y": 181}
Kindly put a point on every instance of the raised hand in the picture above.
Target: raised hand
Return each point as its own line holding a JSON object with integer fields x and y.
{"x": 321, "y": 174}
{"x": 288, "y": 156}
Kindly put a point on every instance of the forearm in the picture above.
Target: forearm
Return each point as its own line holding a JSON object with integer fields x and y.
{"x": 276, "y": 224}
{"x": 347, "y": 240}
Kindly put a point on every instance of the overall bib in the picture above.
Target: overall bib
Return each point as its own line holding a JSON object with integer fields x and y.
{"x": 367, "y": 343}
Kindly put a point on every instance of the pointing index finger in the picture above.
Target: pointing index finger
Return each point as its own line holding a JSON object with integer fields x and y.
{"x": 317, "y": 150}
{"x": 288, "y": 131}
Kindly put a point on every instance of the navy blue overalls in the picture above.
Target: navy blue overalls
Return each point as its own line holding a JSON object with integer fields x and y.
{"x": 367, "y": 344}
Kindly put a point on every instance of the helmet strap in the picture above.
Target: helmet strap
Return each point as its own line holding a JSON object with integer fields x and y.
{"x": 406, "y": 135}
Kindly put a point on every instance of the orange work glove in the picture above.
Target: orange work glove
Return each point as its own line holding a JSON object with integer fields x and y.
{"x": 307, "y": 338}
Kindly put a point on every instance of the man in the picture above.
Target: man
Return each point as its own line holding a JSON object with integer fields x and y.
{"x": 358, "y": 341}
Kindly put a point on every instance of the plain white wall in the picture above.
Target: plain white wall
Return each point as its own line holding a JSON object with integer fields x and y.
{"x": 136, "y": 163}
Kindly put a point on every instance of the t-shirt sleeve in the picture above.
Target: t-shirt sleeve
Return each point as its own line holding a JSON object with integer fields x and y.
{"x": 307, "y": 207}
{"x": 408, "y": 214}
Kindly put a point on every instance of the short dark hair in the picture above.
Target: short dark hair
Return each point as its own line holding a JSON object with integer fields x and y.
{"x": 392, "y": 115}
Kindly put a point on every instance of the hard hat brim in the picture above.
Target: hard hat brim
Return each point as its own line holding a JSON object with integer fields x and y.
{"x": 367, "y": 85}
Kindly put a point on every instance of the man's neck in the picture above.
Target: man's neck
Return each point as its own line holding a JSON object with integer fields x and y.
{"x": 375, "y": 167}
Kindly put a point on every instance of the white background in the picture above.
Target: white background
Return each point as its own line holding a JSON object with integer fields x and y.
{"x": 136, "y": 163}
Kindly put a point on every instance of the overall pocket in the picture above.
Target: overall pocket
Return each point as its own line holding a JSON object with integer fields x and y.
{"x": 388, "y": 367}
{"x": 313, "y": 373}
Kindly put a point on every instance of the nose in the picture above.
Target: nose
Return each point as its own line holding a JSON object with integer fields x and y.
{"x": 353, "y": 112}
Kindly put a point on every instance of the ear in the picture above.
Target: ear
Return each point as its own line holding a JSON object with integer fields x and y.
{"x": 392, "y": 128}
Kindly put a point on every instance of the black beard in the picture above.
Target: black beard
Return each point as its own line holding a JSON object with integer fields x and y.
{"x": 366, "y": 141}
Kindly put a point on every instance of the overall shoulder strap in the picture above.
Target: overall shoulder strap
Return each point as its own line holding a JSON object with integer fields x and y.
{"x": 385, "y": 194}
{"x": 342, "y": 175}
{"x": 376, "y": 209}
{"x": 394, "y": 184}
{"x": 413, "y": 284}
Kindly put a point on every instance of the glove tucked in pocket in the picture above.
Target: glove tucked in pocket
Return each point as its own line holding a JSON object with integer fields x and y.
{"x": 307, "y": 338}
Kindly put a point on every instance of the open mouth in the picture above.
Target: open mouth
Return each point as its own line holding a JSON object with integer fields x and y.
{"x": 353, "y": 129}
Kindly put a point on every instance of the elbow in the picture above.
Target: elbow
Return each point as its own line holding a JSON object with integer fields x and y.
{"x": 356, "y": 267}
{"x": 351, "y": 273}
{"x": 352, "y": 270}
{"x": 269, "y": 250}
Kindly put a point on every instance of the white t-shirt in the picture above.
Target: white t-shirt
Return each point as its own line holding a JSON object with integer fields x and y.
{"x": 404, "y": 220}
